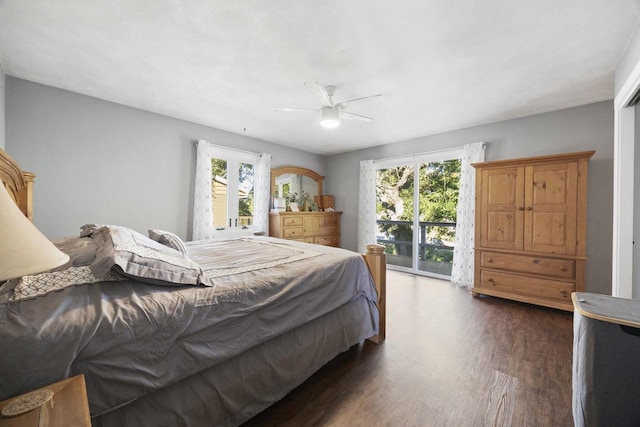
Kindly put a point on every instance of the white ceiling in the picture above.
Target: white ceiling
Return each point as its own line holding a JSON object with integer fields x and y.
{"x": 441, "y": 65}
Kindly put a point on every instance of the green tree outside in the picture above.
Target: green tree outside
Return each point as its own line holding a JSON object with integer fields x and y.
{"x": 438, "y": 198}
{"x": 246, "y": 179}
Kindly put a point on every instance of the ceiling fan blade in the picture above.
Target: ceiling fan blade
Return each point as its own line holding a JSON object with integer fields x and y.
{"x": 289, "y": 109}
{"x": 369, "y": 98}
{"x": 356, "y": 117}
{"x": 320, "y": 93}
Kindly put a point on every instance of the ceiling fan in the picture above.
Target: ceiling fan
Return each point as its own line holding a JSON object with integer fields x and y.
{"x": 331, "y": 112}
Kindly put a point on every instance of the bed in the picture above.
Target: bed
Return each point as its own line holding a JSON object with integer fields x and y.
{"x": 174, "y": 333}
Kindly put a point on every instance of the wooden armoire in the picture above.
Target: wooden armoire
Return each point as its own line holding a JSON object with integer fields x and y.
{"x": 530, "y": 228}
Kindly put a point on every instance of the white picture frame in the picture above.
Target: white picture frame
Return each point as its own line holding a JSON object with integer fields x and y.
{"x": 294, "y": 207}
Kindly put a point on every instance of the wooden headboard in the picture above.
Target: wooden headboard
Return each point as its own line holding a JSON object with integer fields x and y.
{"x": 19, "y": 184}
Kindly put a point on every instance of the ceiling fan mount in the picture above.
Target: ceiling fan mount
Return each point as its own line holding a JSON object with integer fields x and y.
{"x": 331, "y": 113}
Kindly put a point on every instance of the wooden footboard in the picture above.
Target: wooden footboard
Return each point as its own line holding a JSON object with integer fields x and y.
{"x": 377, "y": 262}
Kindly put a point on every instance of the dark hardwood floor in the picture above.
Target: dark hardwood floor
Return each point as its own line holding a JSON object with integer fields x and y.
{"x": 449, "y": 360}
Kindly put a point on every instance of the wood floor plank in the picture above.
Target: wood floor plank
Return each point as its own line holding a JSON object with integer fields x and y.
{"x": 502, "y": 401}
{"x": 449, "y": 360}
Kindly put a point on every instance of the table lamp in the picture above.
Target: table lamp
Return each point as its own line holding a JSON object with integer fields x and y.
{"x": 23, "y": 249}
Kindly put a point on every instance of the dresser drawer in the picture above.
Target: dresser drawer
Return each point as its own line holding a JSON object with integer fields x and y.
{"x": 292, "y": 232}
{"x": 292, "y": 221}
{"x": 329, "y": 220}
{"x": 526, "y": 286}
{"x": 327, "y": 231}
{"x": 552, "y": 267}
{"x": 327, "y": 240}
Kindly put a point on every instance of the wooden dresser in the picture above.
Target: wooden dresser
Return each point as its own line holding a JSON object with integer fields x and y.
{"x": 530, "y": 228}
{"x": 322, "y": 228}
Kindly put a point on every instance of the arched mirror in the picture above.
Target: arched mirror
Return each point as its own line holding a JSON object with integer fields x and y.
{"x": 294, "y": 179}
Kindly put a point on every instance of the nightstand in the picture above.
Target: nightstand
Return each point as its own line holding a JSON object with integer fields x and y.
{"x": 67, "y": 408}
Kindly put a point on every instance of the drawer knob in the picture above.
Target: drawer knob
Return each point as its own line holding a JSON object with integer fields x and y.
{"x": 536, "y": 261}
{"x": 489, "y": 259}
{"x": 563, "y": 268}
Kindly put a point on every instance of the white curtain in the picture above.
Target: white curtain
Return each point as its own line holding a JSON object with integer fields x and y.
{"x": 202, "y": 203}
{"x": 262, "y": 189}
{"x": 295, "y": 185}
{"x": 462, "y": 269}
{"x": 367, "y": 205}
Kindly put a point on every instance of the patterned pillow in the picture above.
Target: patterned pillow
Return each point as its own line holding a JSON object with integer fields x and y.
{"x": 168, "y": 239}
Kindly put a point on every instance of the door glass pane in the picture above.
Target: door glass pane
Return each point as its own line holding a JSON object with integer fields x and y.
{"x": 394, "y": 214}
{"x": 245, "y": 194}
{"x": 219, "y": 192}
{"x": 439, "y": 183}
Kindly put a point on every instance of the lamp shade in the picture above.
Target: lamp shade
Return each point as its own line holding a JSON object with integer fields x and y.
{"x": 23, "y": 249}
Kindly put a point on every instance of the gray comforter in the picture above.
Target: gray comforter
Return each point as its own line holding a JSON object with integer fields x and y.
{"x": 130, "y": 338}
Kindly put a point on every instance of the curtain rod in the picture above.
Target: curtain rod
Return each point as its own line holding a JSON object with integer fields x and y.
{"x": 414, "y": 155}
{"x": 253, "y": 153}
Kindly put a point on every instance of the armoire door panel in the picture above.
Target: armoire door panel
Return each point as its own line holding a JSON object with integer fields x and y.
{"x": 502, "y": 203}
{"x": 549, "y": 229}
{"x": 550, "y": 208}
{"x": 501, "y": 229}
{"x": 502, "y": 187}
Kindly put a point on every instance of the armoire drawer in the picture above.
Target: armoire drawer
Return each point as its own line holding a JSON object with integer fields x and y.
{"x": 552, "y": 267}
{"x": 527, "y": 286}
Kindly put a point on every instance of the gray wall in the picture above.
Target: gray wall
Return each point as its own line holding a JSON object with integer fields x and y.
{"x": 101, "y": 162}
{"x": 583, "y": 128}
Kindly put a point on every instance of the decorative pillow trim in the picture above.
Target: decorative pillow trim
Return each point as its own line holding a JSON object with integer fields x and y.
{"x": 41, "y": 284}
{"x": 146, "y": 252}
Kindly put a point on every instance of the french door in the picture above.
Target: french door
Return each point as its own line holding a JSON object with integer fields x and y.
{"x": 232, "y": 188}
{"x": 416, "y": 202}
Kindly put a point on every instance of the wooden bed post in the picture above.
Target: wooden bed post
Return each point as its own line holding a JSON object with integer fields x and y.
{"x": 19, "y": 184}
{"x": 377, "y": 262}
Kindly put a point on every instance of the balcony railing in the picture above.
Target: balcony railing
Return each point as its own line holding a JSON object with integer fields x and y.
{"x": 434, "y": 255}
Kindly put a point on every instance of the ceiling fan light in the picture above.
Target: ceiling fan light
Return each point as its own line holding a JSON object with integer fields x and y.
{"x": 329, "y": 123}
{"x": 330, "y": 117}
